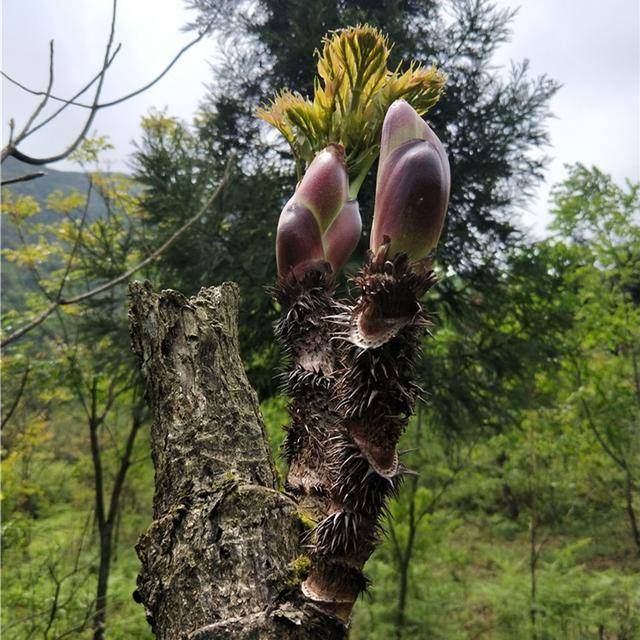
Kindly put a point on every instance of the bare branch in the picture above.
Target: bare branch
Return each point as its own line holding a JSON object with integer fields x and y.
{"x": 12, "y": 126}
{"x": 69, "y": 102}
{"x": 34, "y": 322}
{"x": 16, "y": 401}
{"x": 159, "y": 77}
{"x": 41, "y": 317}
{"x": 72, "y": 101}
{"x": 161, "y": 249}
{"x": 13, "y": 151}
{"x": 43, "y": 102}
{"x": 25, "y": 178}
{"x": 11, "y": 148}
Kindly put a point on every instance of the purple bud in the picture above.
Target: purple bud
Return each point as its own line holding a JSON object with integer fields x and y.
{"x": 401, "y": 124}
{"x": 412, "y": 191}
{"x": 325, "y": 186}
{"x": 314, "y": 207}
{"x": 298, "y": 239}
{"x": 343, "y": 235}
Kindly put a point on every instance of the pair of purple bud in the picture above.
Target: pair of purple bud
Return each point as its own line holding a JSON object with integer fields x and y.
{"x": 321, "y": 224}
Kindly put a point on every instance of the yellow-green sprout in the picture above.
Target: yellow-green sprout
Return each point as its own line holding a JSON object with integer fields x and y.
{"x": 352, "y": 92}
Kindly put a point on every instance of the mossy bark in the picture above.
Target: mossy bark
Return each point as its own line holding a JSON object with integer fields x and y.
{"x": 221, "y": 557}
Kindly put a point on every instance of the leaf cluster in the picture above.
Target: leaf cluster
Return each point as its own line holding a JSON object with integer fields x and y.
{"x": 352, "y": 91}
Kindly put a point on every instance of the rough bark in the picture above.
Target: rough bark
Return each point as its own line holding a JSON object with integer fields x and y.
{"x": 221, "y": 557}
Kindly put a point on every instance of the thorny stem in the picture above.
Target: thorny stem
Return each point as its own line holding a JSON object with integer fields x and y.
{"x": 374, "y": 394}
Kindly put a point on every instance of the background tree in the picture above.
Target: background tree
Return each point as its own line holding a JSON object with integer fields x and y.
{"x": 535, "y": 476}
{"x": 599, "y": 226}
{"x": 88, "y": 353}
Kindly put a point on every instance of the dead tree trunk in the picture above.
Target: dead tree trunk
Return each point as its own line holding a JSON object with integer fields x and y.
{"x": 221, "y": 558}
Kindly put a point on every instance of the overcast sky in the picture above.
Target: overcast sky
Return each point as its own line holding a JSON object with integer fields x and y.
{"x": 591, "y": 46}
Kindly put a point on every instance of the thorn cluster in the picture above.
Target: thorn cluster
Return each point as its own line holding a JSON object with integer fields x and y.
{"x": 308, "y": 378}
{"x": 371, "y": 401}
{"x": 351, "y": 367}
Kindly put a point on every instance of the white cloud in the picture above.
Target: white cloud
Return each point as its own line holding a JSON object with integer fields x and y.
{"x": 593, "y": 49}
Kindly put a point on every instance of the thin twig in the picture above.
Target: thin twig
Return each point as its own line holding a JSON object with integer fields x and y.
{"x": 159, "y": 77}
{"x": 619, "y": 460}
{"x": 34, "y": 322}
{"x": 25, "y": 178}
{"x": 11, "y": 148}
{"x": 33, "y": 269}
{"x": 67, "y": 103}
{"x": 161, "y": 249}
{"x": 76, "y": 242}
{"x": 111, "y": 103}
{"x": 44, "y": 100}
{"x": 16, "y": 401}
{"x": 92, "y": 114}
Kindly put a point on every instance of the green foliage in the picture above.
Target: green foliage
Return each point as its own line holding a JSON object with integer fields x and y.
{"x": 504, "y": 448}
{"x": 469, "y": 573}
{"x": 72, "y": 376}
{"x": 274, "y": 412}
{"x": 48, "y": 531}
{"x": 521, "y": 522}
